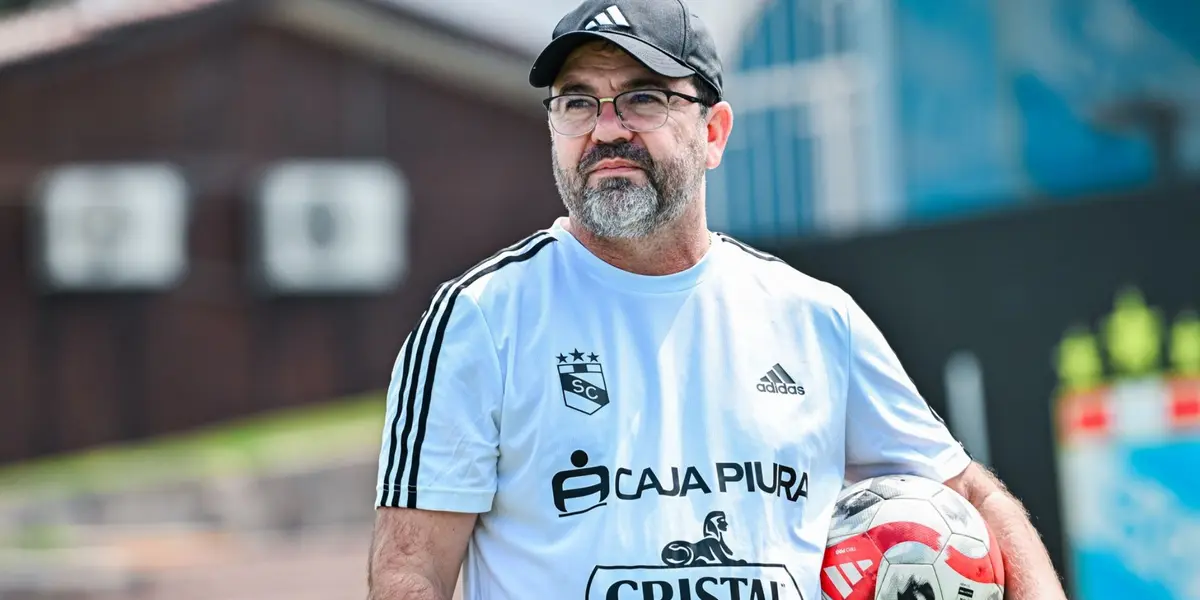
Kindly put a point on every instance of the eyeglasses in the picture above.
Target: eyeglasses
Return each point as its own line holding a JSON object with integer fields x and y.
{"x": 639, "y": 110}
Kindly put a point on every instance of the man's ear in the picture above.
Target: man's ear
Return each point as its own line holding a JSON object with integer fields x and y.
{"x": 720, "y": 126}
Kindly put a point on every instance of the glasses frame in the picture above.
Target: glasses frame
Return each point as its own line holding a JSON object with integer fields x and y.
{"x": 620, "y": 117}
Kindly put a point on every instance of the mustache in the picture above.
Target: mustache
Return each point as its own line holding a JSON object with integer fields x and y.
{"x": 624, "y": 151}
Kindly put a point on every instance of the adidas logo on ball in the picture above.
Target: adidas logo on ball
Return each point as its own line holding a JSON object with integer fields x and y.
{"x": 777, "y": 381}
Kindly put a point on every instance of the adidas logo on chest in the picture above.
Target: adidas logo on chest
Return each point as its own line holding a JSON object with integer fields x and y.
{"x": 777, "y": 381}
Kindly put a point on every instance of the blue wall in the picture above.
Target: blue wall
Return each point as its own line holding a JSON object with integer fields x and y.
{"x": 767, "y": 175}
{"x": 989, "y": 102}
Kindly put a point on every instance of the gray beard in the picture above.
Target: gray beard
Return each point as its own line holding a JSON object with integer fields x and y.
{"x": 617, "y": 208}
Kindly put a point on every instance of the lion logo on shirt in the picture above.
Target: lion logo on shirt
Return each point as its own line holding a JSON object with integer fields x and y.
{"x": 705, "y": 569}
{"x": 711, "y": 550}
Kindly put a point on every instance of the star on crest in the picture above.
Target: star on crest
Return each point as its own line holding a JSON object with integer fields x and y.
{"x": 561, "y": 358}
{"x": 577, "y": 355}
{"x": 594, "y": 357}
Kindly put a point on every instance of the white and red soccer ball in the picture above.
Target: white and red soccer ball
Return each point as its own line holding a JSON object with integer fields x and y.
{"x": 909, "y": 538}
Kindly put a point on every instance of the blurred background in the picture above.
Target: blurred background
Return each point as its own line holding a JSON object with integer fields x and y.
{"x": 220, "y": 218}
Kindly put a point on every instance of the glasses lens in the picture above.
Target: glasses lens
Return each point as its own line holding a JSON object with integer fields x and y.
{"x": 572, "y": 115}
{"x": 643, "y": 110}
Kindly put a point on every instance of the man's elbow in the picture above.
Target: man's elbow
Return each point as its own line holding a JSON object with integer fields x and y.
{"x": 402, "y": 586}
{"x": 979, "y": 486}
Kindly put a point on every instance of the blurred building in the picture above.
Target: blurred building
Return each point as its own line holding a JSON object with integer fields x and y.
{"x": 865, "y": 115}
{"x": 216, "y": 207}
{"x": 212, "y": 208}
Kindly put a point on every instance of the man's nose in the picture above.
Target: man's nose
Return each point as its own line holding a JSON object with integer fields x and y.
{"x": 608, "y": 126}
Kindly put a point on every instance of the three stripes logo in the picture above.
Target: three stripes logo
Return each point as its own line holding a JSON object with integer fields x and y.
{"x": 845, "y": 577}
{"x": 611, "y": 17}
{"x": 413, "y": 389}
{"x": 777, "y": 381}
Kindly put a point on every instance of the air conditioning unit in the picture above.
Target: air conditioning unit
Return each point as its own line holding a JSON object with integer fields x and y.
{"x": 331, "y": 227}
{"x": 120, "y": 227}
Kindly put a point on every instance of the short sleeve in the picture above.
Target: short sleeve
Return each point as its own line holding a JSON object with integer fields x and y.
{"x": 890, "y": 429}
{"x": 441, "y": 435}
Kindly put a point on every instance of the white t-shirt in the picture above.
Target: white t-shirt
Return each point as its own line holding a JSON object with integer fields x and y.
{"x": 627, "y": 437}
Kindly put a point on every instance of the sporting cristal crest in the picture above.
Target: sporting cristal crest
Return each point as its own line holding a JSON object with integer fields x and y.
{"x": 582, "y": 380}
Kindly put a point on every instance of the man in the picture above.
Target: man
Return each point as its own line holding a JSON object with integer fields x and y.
{"x": 626, "y": 405}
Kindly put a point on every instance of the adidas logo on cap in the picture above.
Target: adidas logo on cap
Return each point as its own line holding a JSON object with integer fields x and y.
{"x": 777, "y": 381}
{"x": 612, "y": 16}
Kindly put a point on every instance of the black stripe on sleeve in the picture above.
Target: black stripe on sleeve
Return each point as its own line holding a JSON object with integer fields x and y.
{"x": 406, "y": 392}
{"x": 749, "y": 250}
{"x": 410, "y": 386}
{"x": 422, "y": 325}
{"x": 437, "y": 344}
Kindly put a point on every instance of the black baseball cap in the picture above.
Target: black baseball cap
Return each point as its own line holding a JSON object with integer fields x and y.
{"x": 663, "y": 35}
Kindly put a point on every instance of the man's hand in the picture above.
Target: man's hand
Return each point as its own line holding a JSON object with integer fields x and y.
{"x": 1028, "y": 572}
{"x": 417, "y": 554}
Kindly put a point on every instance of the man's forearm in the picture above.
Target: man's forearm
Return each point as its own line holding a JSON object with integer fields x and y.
{"x": 404, "y": 586}
{"x": 417, "y": 554}
{"x": 1029, "y": 573}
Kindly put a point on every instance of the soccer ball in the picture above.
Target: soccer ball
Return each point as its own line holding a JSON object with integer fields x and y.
{"x": 901, "y": 537}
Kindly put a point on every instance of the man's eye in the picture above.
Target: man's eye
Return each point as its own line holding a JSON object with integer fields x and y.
{"x": 579, "y": 104}
{"x": 645, "y": 98}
